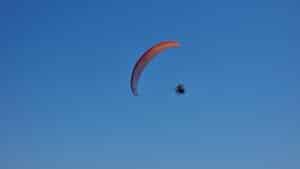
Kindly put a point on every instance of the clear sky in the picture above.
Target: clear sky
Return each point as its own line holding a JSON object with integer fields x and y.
{"x": 65, "y": 100}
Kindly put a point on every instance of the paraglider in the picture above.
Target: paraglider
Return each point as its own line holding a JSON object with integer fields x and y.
{"x": 145, "y": 59}
{"x": 180, "y": 89}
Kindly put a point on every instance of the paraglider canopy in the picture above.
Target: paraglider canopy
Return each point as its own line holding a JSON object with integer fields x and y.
{"x": 144, "y": 60}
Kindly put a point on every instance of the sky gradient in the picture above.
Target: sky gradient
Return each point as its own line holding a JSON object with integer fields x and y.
{"x": 65, "y": 100}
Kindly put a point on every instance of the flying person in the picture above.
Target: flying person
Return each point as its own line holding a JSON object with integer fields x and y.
{"x": 180, "y": 89}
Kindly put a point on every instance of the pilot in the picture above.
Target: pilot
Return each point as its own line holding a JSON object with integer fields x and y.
{"x": 180, "y": 89}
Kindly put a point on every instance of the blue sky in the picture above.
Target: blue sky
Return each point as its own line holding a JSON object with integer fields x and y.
{"x": 65, "y": 99}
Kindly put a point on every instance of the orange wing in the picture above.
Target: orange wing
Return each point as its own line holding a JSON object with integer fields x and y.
{"x": 145, "y": 59}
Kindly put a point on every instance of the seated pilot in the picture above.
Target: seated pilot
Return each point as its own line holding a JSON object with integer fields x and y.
{"x": 180, "y": 89}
